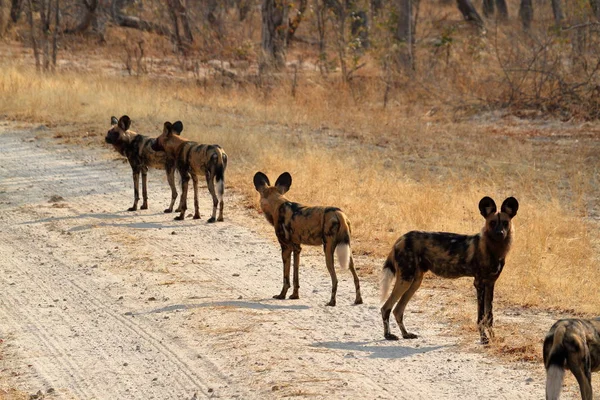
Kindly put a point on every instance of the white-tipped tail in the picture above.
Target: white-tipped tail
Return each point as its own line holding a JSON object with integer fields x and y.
{"x": 343, "y": 252}
{"x": 387, "y": 277}
{"x": 554, "y": 380}
{"x": 220, "y": 189}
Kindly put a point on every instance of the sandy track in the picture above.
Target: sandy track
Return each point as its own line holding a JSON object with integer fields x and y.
{"x": 100, "y": 303}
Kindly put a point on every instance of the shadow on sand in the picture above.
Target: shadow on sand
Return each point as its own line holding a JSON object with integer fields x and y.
{"x": 376, "y": 351}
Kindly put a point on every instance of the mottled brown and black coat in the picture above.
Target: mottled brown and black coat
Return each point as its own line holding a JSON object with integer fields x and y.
{"x": 572, "y": 344}
{"x": 138, "y": 150}
{"x": 296, "y": 225}
{"x": 450, "y": 255}
{"x": 193, "y": 160}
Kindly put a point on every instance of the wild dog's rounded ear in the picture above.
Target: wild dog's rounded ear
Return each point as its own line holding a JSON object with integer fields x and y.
{"x": 284, "y": 182}
{"x": 114, "y": 120}
{"x": 124, "y": 122}
{"x": 510, "y": 206}
{"x": 261, "y": 181}
{"x": 487, "y": 206}
{"x": 167, "y": 127}
{"x": 177, "y": 127}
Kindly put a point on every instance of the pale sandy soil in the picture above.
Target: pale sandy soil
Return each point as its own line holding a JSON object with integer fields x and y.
{"x": 100, "y": 303}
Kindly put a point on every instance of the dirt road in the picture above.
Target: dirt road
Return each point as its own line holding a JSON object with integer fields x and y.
{"x": 100, "y": 303}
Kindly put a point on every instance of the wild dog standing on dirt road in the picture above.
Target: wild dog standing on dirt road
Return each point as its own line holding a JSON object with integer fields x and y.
{"x": 572, "y": 344}
{"x": 137, "y": 149}
{"x": 296, "y": 225}
{"x": 193, "y": 160}
{"x": 450, "y": 255}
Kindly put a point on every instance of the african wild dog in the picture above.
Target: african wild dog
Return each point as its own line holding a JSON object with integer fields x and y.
{"x": 193, "y": 159}
{"x": 296, "y": 225}
{"x": 137, "y": 149}
{"x": 572, "y": 344}
{"x": 450, "y": 255}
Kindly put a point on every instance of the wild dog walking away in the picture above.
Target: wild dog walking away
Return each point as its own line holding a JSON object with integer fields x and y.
{"x": 137, "y": 149}
{"x": 572, "y": 344}
{"x": 193, "y": 160}
{"x": 450, "y": 255}
{"x": 296, "y": 225}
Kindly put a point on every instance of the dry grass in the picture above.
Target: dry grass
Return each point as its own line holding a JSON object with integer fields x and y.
{"x": 430, "y": 176}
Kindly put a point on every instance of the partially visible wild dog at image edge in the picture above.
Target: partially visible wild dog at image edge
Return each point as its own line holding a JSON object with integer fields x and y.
{"x": 193, "y": 160}
{"x": 296, "y": 225}
{"x": 572, "y": 344}
{"x": 137, "y": 149}
{"x": 450, "y": 255}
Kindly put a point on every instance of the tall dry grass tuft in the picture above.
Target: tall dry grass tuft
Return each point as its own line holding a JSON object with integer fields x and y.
{"x": 390, "y": 172}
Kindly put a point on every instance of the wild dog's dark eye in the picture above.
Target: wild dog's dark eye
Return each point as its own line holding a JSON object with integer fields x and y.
{"x": 505, "y": 224}
{"x": 493, "y": 223}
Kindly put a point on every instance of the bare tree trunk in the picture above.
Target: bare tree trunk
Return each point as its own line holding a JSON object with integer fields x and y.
{"x": 45, "y": 28}
{"x": 15, "y": 10}
{"x": 274, "y": 16}
{"x": 404, "y": 33}
{"x": 488, "y": 8}
{"x": 469, "y": 12}
{"x": 502, "y": 9}
{"x": 526, "y": 13}
{"x": 34, "y": 43}
{"x": 557, "y": 10}
{"x": 55, "y": 36}
{"x": 243, "y": 8}
{"x": 295, "y": 22}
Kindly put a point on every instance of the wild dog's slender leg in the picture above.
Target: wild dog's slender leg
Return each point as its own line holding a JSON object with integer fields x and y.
{"x": 580, "y": 366}
{"x": 223, "y": 185}
{"x": 196, "y": 201}
{"x": 286, "y": 254}
{"x": 358, "y": 299}
{"x": 210, "y": 182}
{"x": 488, "y": 315}
{"x": 329, "y": 249}
{"x": 171, "y": 179}
{"x": 144, "y": 189}
{"x": 297, "y": 250}
{"x": 401, "y": 306}
{"x": 400, "y": 287}
{"x": 136, "y": 190}
{"x": 480, "y": 287}
{"x": 185, "y": 180}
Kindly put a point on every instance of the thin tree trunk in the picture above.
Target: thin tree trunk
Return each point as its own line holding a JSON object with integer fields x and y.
{"x": 404, "y": 33}
{"x": 295, "y": 22}
{"x": 557, "y": 10}
{"x": 502, "y": 9}
{"x": 55, "y": 36}
{"x": 469, "y": 12}
{"x": 15, "y": 10}
{"x": 34, "y": 43}
{"x": 526, "y": 13}
{"x": 488, "y": 8}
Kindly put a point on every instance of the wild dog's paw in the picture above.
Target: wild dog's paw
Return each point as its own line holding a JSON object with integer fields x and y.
{"x": 331, "y": 303}
{"x": 144, "y": 207}
{"x": 485, "y": 340}
{"x": 220, "y": 219}
{"x": 294, "y": 296}
{"x": 179, "y": 218}
{"x": 132, "y": 209}
{"x": 358, "y": 301}
{"x": 210, "y": 220}
{"x": 409, "y": 336}
{"x": 168, "y": 210}
{"x": 390, "y": 336}
{"x": 279, "y": 297}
